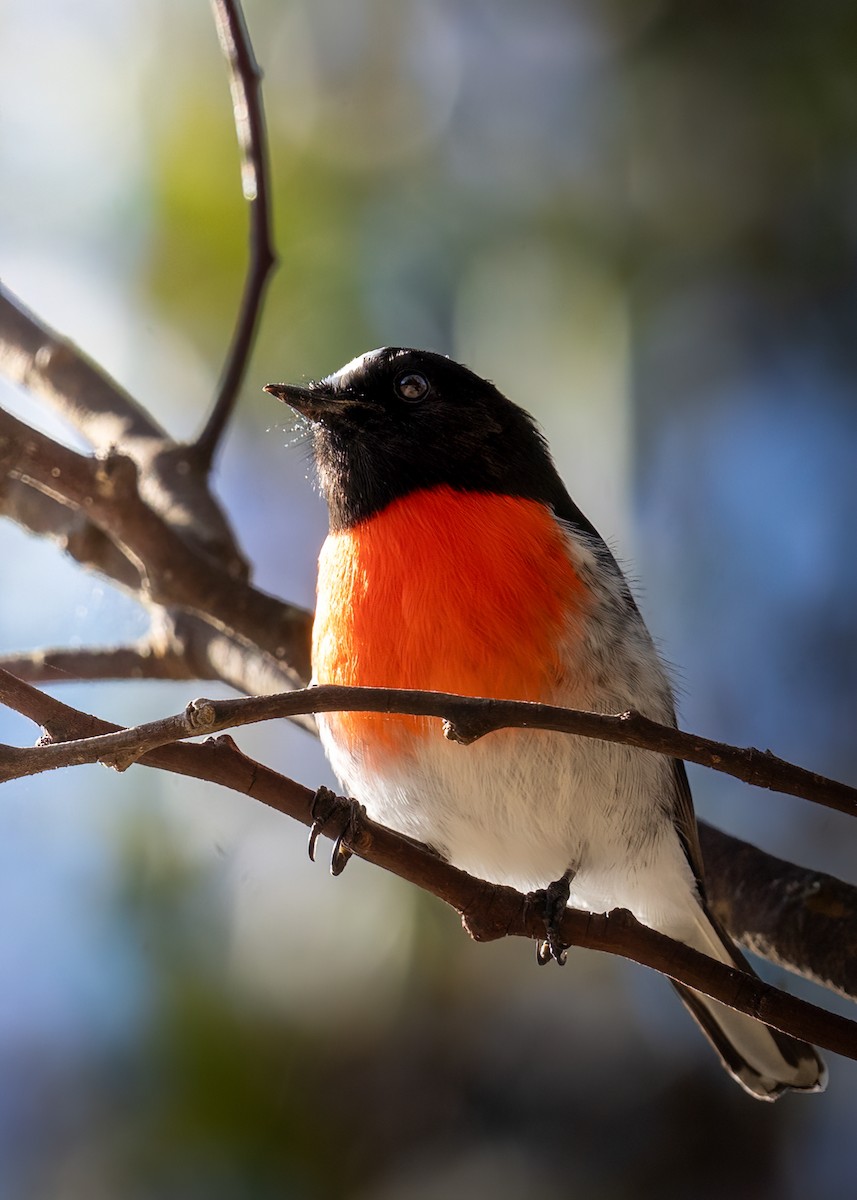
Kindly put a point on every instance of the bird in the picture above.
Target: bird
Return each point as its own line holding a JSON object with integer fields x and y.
{"x": 456, "y": 561}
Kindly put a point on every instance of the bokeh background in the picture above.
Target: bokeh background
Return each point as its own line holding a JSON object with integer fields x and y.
{"x": 638, "y": 218}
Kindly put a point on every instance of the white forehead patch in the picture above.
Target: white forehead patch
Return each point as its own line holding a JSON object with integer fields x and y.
{"x": 342, "y": 375}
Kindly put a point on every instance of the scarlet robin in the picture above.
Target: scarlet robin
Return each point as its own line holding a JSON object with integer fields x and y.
{"x": 456, "y": 561}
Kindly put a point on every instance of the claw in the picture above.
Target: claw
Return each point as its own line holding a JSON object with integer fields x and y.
{"x": 350, "y": 814}
{"x": 553, "y": 900}
{"x": 547, "y": 950}
{"x": 328, "y": 810}
{"x": 312, "y": 840}
{"x": 340, "y": 855}
{"x": 323, "y": 806}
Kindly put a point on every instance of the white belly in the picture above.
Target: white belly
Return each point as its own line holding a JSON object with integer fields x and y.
{"x": 521, "y": 807}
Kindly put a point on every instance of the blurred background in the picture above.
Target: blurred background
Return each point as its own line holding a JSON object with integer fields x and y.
{"x": 639, "y": 220}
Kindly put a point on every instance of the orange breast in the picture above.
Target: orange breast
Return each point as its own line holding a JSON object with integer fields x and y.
{"x": 448, "y": 591}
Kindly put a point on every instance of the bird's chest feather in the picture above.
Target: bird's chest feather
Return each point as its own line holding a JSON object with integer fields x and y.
{"x": 488, "y": 596}
{"x": 447, "y": 591}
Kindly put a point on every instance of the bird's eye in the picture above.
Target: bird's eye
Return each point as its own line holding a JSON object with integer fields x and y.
{"x": 412, "y": 386}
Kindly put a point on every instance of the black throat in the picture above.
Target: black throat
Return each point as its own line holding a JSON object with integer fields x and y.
{"x": 360, "y": 476}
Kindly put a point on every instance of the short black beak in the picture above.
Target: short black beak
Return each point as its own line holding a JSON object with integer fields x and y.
{"x": 312, "y": 403}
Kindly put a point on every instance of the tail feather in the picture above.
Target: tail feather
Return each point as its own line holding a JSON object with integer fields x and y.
{"x": 765, "y": 1062}
{"x": 762, "y": 1060}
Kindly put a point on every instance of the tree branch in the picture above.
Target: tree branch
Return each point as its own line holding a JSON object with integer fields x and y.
{"x": 69, "y": 528}
{"x": 50, "y": 366}
{"x": 34, "y": 356}
{"x": 802, "y": 920}
{"x": 788, "y": 914}
{"x": 140, "y": 661}
{"x": 488, "y": 911}
{"x": 178, "y": 646}
{"x": 245, "y": 80}
{"x": 210, "y": 653}
{"x": 466, "y": 719}
{"x": 233, "y": 659}
{"x": 174, "y": 574}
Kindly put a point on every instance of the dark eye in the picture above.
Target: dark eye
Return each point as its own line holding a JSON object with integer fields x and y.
{"x": 412, "y": 386}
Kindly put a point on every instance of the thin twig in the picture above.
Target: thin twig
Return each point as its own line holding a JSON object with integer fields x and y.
{"x": 180, "y": 646}
{"x": 245, "y": 80}
{"x": 477, "y": 717}
{"x": 488, "y": 911}
{"x": 91, "y": 663}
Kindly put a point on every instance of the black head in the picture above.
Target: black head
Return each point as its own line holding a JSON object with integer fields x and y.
{"x": 395, "y": 421}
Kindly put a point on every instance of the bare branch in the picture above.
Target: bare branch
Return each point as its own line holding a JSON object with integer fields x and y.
{"x": 179, "y": 646}
{"x": 52, "y": 367}
{"x": 117, "y": 662}
{"x": 174, "y": 574}
{"x": 69, "y": 528}
{"x": 803, "y": 920}
{"x": 233, "y": 659}
{"x": 33, "y": 355}
{"x": 488, "y": 911}
{"x": 245, "y": 82}
{"x": 209, "y": 652}
{"x": 176, "y": 487}
{"x": 798, "y": 918}
{"x": 478, "y": 716}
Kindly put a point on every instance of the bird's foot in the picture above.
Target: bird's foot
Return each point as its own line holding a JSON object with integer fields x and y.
{"x": 337, "y": 817}
{"x": 553, "y": 901}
